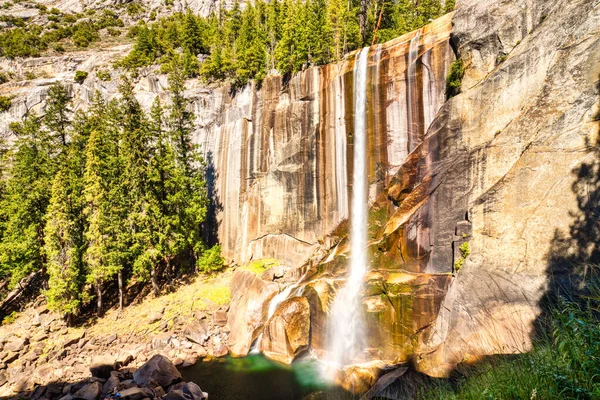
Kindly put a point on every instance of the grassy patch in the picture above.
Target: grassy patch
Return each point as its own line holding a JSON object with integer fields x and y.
{"x": 259, "y": 266}
{"x": 564, "y": 364}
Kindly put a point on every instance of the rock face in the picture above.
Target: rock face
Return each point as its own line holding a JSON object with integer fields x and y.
{"x": 250, "y": 298}
{"x": 286, "y": 334}
{"x": 510, "y": 150}
{"x": 282, "y": 155}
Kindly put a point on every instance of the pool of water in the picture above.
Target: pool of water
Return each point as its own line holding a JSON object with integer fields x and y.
{"x": 258, "y": 378}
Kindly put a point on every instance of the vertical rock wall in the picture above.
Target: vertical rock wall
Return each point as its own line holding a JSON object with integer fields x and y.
{"x": 282, "y": 152}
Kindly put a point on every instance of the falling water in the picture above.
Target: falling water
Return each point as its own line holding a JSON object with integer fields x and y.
{"x": 412, "y": 120}
{"x": 346, "y": 317}
{"x": 273, "y": 304}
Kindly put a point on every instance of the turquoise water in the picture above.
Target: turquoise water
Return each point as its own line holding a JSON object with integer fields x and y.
{"x": 258, "y": 378}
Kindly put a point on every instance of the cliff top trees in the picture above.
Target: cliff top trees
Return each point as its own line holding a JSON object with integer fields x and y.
{"x": 288, "y": 35}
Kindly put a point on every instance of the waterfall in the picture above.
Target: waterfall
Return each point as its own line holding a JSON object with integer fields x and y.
{"x": 273, "y": 304}
{"x": 411, "y": 72}
{"x": 346, "y": 320}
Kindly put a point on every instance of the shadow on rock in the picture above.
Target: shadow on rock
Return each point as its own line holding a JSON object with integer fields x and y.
{"x": 574, "y": 256}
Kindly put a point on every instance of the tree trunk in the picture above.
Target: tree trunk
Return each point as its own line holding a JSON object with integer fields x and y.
{"x": 154, "y": 280}
{"x": 99, "y": 300}
{"x": 121, "y": 293}
{"x": 364, "y": 5}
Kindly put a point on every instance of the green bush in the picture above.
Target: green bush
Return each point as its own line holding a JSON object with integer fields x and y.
{"x": 103, "y": 75}
{"x": 454, "y": 78}
{"x": 5, "y": 103}
{"x": 84, "y": 35}
{"x": 80, "y": 76}
{"x": 211, "y": 260}
{"x": 4, "y": 77}
{"x": 10, "y": 318}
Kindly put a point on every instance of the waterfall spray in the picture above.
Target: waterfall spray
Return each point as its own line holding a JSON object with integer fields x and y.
{"x": 347, "y": 324}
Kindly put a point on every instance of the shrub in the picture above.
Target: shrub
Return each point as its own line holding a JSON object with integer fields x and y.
{"x": 454, "y": 78}
{"x": 10, "y": 318}
{"x": 4, "y": 77}
{"x": 103, "y": 75}
{"x": 84, "y": 35}
{"x": 134, "y": 9}
{"x": 5, "y": 103}
{"x": 114, "y": 32}
{"x": 80, "y": 76}
{"x": 464, "y": 253}
{"x": 211, "y": 260}
{"x": 58, "y": 48}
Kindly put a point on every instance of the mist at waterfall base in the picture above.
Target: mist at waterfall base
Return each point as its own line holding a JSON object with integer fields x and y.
{"x": 257, "y": 378}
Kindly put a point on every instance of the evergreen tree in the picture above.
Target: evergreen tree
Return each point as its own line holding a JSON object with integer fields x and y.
{"x": 161, "y": 239}
{"x": 102, "y": 192}
{"x": 64, "y": 244}
{"x": 57, "y": 113}
{"x": 26, "y": 199}
{"x": 64, "y": 239}
{"x": 191, "y": 36}
{"x": 189, "y": 198}
{"x": 129, "y": 184}
{"x": 251, "y": 61}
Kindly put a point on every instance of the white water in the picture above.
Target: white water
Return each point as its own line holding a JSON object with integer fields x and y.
{"x": 273, "y": 304}
{"x": 346, "y": 319}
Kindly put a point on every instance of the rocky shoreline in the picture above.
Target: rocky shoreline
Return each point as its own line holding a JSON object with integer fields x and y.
{"x": 42, "y": 358}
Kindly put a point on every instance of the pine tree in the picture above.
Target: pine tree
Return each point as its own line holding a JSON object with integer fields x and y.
{"x": 64, "y": 236}
{"x": 161, "y": 241}
{"x": 191, "y": 36}
{"x": 64, "y": 243}
{"x": 102, "y": 191}
{"x": 57, "y": 113}
{"x": 129, "y": 184}
{"x": 251, "y": 61}
{"x": 189, "y": 198}
{"x": 26, "y": 199}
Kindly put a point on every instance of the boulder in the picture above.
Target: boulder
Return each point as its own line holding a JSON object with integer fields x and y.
{"x": 377, "y": 391}
{"x": 248, "y": 311}
{"x": 286, "y": 334}
{"x": 91, "y": 391}
{"x": 136, "y": 393}
{"x": 220, "y": 318}
{"x": 101, "y": 366}
{"x": 16, "y": 345}
{"x": 158, "y": 371}
{"x": 73, "y": 338}
{"x": 196, "y": 331}
{"x": 187, "y": 391}
{"x": 220, "y": 350}
{"x": 161, "y": 341}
